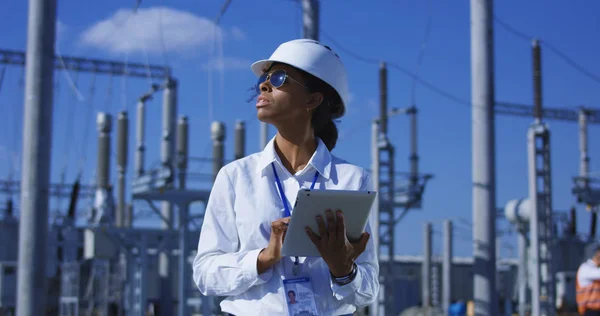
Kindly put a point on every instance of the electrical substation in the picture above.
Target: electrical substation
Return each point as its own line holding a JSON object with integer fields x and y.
{"x": 103, "y": 263}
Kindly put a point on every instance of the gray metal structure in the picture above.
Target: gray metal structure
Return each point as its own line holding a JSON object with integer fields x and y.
{"x": 426, "y": 292}
{"x": 37, "y": 144}
{"x": 483, "y": 152}
{"x": 39, "y": 61}
{"x": 239, "y": 140}
{"x": 168, "y": 159}
{"x": 121, "y": 217}
{"x": 447, "y": 265}
{"x": 540, "y": 196}
{"x": 396, "y": 198}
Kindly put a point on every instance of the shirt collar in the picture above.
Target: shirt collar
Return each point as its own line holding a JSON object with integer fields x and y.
{"x": 320, "y": 160}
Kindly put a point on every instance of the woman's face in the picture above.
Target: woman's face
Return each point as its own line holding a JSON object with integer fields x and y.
{"x": 289, "y": 103}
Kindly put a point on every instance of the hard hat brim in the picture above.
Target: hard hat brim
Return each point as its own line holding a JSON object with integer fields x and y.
{"x": 258, "y": 66}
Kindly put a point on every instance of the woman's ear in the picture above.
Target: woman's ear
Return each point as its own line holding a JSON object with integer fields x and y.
{"x": 314, "y": 100}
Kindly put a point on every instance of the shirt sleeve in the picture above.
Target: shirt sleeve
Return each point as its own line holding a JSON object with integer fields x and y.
{"x": 219, "y": 267}
{"x": 588, "y": 273}
{"x": 364, "y": 289}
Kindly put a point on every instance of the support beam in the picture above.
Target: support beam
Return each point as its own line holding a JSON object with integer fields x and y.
{"x": 114, "y": 68}
{"x": 483, "y": 167}
{"x": 58, "y": 190}
{"x": 559, "y": 114}
{"x": 37, "y": 145}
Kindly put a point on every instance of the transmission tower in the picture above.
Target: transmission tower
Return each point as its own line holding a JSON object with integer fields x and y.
{"x": 396, "y": 198}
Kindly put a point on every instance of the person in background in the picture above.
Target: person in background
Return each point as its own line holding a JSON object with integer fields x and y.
{"x": 302, "y": 88}
{"x": 457, "y": 308}
{"x": 587, "y": 285}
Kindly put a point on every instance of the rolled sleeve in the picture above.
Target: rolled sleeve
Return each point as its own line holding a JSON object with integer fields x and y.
{"x": 250, "y": 267}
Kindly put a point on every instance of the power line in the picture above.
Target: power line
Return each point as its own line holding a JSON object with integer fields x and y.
{"x": 549, "y": 46}
{"x": 162, "y": 34}
{"x": 408, "y": 73}
{"x": 422, "y": 52}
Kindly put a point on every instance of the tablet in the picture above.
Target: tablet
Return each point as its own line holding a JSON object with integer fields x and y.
{"x": 356, "y": 206}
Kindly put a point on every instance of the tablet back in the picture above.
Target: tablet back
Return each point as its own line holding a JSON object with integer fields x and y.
{"x": 356, "y": 206}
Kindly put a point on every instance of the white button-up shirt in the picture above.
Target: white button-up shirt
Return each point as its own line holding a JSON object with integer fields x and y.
{"x": 243, "y": 202}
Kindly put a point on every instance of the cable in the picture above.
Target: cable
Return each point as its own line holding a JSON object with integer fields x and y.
{"x": 68, "y": 75}
{"x": 553, "y": 49}
{"x": 109, "y": 95}
{"x": 401, "y": 69}
{"x": 67, "y": 141}
{"x": 217, "y": 40}
{"x": 87, "y": 120}
{"x": 413, "y": 101}
{"x": 162, "y": 35}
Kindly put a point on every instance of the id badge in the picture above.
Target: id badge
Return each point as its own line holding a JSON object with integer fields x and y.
{"x": 299, "y": 296}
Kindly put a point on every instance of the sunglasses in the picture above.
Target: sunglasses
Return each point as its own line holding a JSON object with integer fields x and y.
{"x": 276, "y": 78}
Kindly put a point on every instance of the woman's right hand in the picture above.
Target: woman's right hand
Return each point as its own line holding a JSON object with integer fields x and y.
{"x": 272, "y": 254}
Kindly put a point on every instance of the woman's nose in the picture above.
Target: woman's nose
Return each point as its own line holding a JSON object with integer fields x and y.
{"x": 265, "y": 86}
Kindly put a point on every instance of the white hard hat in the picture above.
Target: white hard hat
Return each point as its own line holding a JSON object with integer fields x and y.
{"x": 314, "y": 58}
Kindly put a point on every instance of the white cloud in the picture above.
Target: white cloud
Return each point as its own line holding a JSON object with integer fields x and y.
{"x": 227, "y": 63}
{"x": 147, "y": 29}
{"x": 237, "y": 33}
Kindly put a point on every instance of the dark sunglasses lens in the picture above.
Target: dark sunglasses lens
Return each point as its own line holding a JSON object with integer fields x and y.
{"x": 277, "y": 78}
{"x": 261, "y": 79}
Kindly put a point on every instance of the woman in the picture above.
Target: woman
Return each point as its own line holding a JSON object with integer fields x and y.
{"x": 302, "y": 88}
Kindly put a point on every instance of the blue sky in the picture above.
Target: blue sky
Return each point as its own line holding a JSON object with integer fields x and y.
{"x": 393, "y": 31}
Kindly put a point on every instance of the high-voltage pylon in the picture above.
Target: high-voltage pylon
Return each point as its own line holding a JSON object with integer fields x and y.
{"x": 533, "y": 216}
{"x": 540, "y": 197}
{"x": 396, "y": 198}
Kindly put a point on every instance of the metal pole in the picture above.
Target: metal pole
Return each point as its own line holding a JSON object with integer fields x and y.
{"x": 37, "y": 145}
{"x": 534, "y": 229}
{"x": 310, "y": 19}
{"x": 104, "y": 122}
{"x": 264, "y": 135}
{"x": 537, "y": 80}
{"x": 168, "y": 157}
{"x": 540, "y": 195}
{"x": 183, "y": 264}
{"x": 374, "y": 307}
{"x": 584, "y": 162}
{"x": 140, "y": 138}
{"x": 122, "y": 149}
{"x": 426, "y": 267}
{"x": 217, "y": 131}
{"x": 522, "y": 270}
{"x": 483, "y": 157}
{"x": 447, "y": 266}
{"x": 182, "y": 149}
{"x": 414, "y": 157}
{"x": 383, "y": 103}
{"x": 240, "y": 140}
{"x": 183, "y": 208}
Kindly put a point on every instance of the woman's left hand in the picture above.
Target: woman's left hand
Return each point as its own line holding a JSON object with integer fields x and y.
{"x": 336, "y": 250}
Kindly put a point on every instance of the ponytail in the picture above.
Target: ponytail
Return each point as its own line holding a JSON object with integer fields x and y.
{"x": 329, "y": 134}
{"x": 330, "y": 108}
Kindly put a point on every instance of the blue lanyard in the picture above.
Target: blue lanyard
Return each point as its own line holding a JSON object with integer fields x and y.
{"x": 282, "y": 194}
